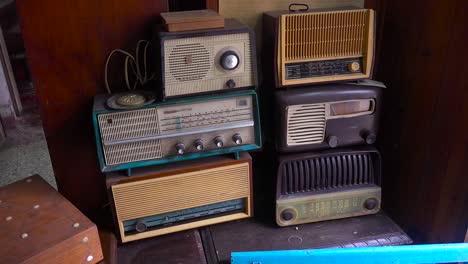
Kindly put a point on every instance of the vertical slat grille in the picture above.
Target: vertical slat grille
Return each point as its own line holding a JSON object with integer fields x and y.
{"x": 306, "y": 124}
{"x": 129, "y": 124}
{"x": 130, "y": 152}
{"x": 328, "y": 172}
{"x": 325, "y": 34}
{"x": 172, "y": 193}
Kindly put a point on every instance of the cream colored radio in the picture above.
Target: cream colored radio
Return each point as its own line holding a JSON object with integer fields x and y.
{"x": 167, "y": 198}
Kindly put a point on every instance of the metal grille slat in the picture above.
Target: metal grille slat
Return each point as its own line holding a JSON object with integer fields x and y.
{"x": 325, "y": 34}
{"x": 328, "y": 172}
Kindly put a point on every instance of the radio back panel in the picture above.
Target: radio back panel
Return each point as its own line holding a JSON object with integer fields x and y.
{"x": 176, "y": 130}
{"x": 321, "y": 45}
{"x": 157, "y": 201}
{"x": 329, "y": 185}
{"x": 327, "y": 116}
{"x": 207, "y": 60}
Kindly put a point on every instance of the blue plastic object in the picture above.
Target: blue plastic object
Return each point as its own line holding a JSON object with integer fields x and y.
{"x": 411, "y": 254}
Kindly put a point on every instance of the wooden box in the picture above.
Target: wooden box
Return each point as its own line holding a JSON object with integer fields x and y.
{"x": 40, "y": 226}
{"x": 192, "y": 20}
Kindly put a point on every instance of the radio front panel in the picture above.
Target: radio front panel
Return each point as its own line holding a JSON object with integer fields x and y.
{"x": 327, "y": 116}
{"x": 165, "y": 199}
{"x": 178, "y": 130}
{"x": 321, "y": 45}
{"x": 207, "y": 60}
{"x": 328, "y": 185}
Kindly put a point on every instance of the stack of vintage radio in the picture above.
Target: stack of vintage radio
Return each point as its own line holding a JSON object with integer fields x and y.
{"x": 205, "y": 109}
{"x": 326, "y": 113}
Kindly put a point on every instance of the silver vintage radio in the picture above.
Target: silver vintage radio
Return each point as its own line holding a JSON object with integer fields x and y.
{"x": 174, "y": 130}
{"x": 200, "y": 61}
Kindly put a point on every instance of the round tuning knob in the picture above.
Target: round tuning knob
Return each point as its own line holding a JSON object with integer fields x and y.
{"x": 287, "y": 215}
{"x": 229, "y": 60}
{"x": 140, "y": 225}
{"x": 198, "y": 145}
{"x": 371, "y": 204}
{"x": 354, "y": 66}
{"x": 218, "y": 142}
{"x": 180, "y": 148}
{"x": 332, "y": 141}
{"x": 231, "y": 84}
{"x": 237, "y": 139}
{"x": 369, "y": 137}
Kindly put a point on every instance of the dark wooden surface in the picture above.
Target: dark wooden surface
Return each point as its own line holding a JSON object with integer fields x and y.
{"x": 424, "y": 135}
{"x": 256, "y": 234}
{"x": 182, "y": 247}
{"x": 48, "y": 219}
{"x": 67, "y": 44}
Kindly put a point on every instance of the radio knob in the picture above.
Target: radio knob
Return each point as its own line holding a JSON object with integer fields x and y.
{"x": 354, "y": 66}
{"x": 180, "y": 148}
{"x": 229, "y": 60}
{"x": 140, "y": 225}
{"x": 370, "y": 138}
{"x": 371, "y": 204}
{"x": 287, "y": 215}
{"x": 218, "y": 142}
{"x": 237, "y": 139}
{"x": 332, "y": 141}
{"x": 199, "y": 144}
{"x": 231, "y": 84}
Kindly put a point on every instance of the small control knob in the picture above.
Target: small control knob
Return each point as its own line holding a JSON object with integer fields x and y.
{"x": 231, "y": 83}
{"x": 354, "y": 66}
{"x": 332, "y": 141}
{"x": 287, "y": 215}
{"x": 140, "y": 225}
{"x": 198, "y": 144}
{"x": 229, "y": 60}
{"x": 237, "y": 139}
{"x": 369, "y": 137}
{"x": 371, "y": 204}
{"x": 218, "y": 142}
{"x": 180, "y": 148}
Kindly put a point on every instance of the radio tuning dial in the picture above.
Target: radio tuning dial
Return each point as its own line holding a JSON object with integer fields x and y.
{"x": 199, "y": 145}
{"x": 231, "y": 83}
{"x": 140, "y": 225}
{"x": 218, "y": 142}
{"x": 229, "y": 60}
{"x": 370, "y": 138}
{"x": 237, "y": 139}
{"x": 332, "y": 141}
{"x": 371, "y": 204}
{"x": 287, "y": 215}
{"x": 354, "y": 66}
{"x": 180, "y": 148}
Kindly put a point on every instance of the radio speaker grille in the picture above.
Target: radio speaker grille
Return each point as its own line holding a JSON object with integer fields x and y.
{"x": 182, "y": 191}
{"x": 327, "y": 172}
{"x": 326, "y": 35}
{"x": 189, "y": 62}
{"x": 135, "y": 151}
{"x": 306, "y": 124}
{"x": 129, "y": 124}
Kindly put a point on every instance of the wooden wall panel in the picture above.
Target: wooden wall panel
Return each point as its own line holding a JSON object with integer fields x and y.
{"x": 425, "y": 126}
{"x": 67, "y": 43}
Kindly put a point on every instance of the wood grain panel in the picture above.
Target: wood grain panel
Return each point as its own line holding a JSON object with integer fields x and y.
{"x": 424, "y": 137}
{"x": 66, "y": 45}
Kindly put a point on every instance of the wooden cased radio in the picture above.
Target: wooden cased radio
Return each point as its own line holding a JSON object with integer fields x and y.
{"x": 202, "y": 61}
{"x": 327, "y": 116}
{"x": 166, "y": 199}
{"x": 332, "y": 184}
{"x": 318, "y": 46}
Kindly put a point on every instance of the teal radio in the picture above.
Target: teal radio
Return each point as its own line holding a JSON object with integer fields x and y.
{"x": 132, "y": 130}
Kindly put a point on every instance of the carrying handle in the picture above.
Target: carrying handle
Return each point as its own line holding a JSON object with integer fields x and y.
{"x": 304, "y": 8}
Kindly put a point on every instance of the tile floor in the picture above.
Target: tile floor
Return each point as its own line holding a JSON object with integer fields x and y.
{"x": 25, "y": 152}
